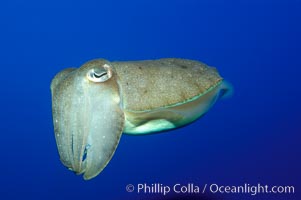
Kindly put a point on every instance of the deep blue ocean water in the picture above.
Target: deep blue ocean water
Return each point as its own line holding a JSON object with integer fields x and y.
{"x": 251, "y": 138}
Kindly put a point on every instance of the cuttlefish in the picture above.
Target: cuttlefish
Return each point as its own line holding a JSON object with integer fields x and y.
{"x": 94, "y": 104}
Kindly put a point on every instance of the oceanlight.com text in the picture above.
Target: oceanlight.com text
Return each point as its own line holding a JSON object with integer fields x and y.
{"x": 193, "y": 188}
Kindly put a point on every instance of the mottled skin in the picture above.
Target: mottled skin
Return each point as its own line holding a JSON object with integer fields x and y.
{"x": 94, "y": 104}
{"x": 149, "y": 85}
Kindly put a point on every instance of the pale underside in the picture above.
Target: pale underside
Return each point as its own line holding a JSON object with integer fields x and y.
{"x": 174, "y": 116}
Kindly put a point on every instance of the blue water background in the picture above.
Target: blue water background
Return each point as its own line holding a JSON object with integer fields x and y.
{"x": 253, "y": 137}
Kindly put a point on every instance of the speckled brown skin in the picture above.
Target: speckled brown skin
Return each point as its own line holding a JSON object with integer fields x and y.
{"x": 152, "y": 84}
{"x": 92, "y": 105}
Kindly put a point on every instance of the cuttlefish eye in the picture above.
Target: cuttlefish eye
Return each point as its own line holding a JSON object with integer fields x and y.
{"x": 100, "y": 74}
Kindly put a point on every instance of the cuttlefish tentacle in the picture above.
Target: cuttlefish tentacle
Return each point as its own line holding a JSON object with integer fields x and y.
{"x": 88, "y": 119}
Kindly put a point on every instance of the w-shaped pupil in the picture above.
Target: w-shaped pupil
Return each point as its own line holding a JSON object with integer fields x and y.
{"x": 99, "y": 75}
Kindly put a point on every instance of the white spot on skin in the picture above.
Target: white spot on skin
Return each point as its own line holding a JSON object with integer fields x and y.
{"x": 87, "y": 146}
{"x": 103, "y": 136}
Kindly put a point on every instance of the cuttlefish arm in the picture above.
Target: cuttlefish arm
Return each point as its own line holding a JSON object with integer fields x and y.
{"x": 87, "y": 116}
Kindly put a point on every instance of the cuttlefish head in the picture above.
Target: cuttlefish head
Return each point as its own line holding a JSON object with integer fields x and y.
{"x": 87, "y": 116}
